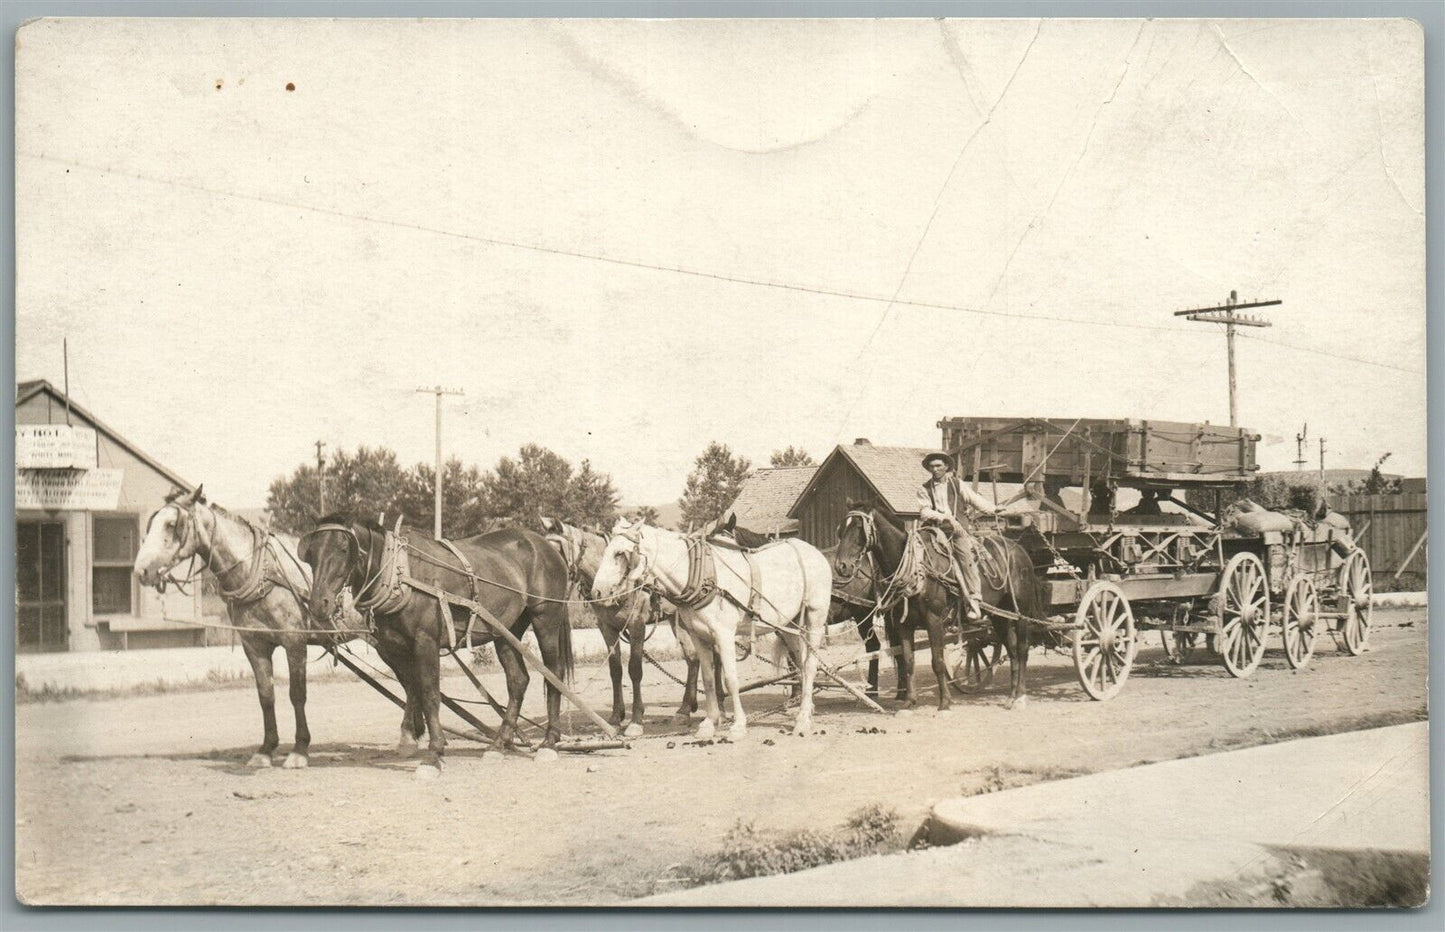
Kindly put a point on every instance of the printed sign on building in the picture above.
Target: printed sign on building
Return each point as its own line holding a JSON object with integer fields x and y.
{"x": 54, "y": 446}
{"x": 91, "y": 490}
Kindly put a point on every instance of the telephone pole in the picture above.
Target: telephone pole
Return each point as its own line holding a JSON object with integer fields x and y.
{"x": 438, "y": 391}
{"x": 320, "y": 479}
{"x": 1226, "y": 314}
{"x": 1299, "y": 448}
{"x": 1322, "y": 466}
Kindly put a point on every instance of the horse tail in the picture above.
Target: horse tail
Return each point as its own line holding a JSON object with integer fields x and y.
{"x": 564, "y": 643}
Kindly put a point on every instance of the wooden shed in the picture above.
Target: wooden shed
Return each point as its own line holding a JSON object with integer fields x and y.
{"x": 860, "y": 471}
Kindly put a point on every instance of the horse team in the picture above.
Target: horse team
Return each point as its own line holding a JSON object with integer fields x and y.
{"x": 413, "y": 595}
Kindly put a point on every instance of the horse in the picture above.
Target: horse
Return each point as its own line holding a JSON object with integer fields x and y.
{"x": 265, "y": 588}
{"x": 583, "y": 550}
{"x": 859, "y": 598}
{"x": 1008, "y": 583}
{"x": 513, "y": 573}
{"x": 786, "y": 587}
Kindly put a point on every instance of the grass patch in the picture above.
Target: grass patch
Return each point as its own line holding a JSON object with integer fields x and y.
{"x": 997, "y": 778}
{"x": 748, "y": 852}
{"x": 26, "y": 693}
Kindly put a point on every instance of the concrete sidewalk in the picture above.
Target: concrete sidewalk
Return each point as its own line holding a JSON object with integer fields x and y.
{"x": 107, "y": 671}
{"x": 1133, "y": 837}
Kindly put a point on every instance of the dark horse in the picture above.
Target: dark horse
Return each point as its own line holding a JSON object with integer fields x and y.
{"x": 1008, "y": 583}
{"x": 518, "y": 577}
{"x": 857, "y": 597}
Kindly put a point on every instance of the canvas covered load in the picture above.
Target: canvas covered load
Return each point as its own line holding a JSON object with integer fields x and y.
{"x": 1247, "y": 517}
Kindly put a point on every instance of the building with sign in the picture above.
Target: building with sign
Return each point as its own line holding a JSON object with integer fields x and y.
{"x": 82, "y": 496}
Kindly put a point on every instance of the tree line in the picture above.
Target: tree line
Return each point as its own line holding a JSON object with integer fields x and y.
{"x": 518, "y": 491}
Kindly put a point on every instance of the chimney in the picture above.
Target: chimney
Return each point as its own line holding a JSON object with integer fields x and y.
{"x": 862, "y": 442}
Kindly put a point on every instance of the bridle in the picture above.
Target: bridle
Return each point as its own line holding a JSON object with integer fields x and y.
{"x": 639, "y": 567}
{"x": 870, "y": 539}
{"x": 192, "y": 528}
{"x": 362, "y": 554}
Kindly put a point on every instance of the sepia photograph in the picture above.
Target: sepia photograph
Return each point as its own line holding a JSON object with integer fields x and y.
{"x": 676, "y": 463}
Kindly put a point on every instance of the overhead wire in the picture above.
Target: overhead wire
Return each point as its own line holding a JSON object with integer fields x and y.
{"x": 889, "y": 302}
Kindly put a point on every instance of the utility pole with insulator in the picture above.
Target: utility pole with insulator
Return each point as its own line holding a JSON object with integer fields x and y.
{"x": 438, "y": 391}
{"x": 320, "y": 479}
{"x": 1228, "y": 315}
{"x": 1299, "y": 448}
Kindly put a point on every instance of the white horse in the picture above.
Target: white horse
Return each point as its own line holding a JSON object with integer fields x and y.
{"x": 264, "y": 586}
{"x": 788, "y": 587}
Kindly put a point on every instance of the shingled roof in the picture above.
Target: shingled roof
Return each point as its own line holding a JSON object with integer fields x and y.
{"x": 762, "y": 504}
{"x": 895, "y": 473}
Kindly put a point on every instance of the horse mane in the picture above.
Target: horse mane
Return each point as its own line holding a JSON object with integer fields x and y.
{"x": 345, "y": 518}
{"x": 874, "y": 507}
{"x": 177, "y": 494}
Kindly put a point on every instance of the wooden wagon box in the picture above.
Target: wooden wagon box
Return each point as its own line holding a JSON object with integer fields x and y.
{"x": 1176, "y": 452}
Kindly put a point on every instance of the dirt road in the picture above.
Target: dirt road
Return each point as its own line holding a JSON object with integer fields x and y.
{"x": 145, "y": 801}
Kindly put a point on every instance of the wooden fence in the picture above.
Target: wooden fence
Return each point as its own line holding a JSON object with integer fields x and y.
{"x": 1391, "y": 529}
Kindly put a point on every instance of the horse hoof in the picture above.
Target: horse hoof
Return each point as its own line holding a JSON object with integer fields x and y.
{"x": 706, "y": 730}
{"x": 296, "y": 761}
{"x": 259, "y": 760}
{"x": 802, "y": 729}
{"x": 738, "y": 731}
{"x": 545, "y": 756}
{"x": 1015, "y": 705}
{"x": 493, "y": 756}
{"x": 904, "y": 712}
{"x": 428, "y": 771}
{"x": 633, "y": 730}
{"x": 946, "y": 711}
{"x": 681, "y": 718}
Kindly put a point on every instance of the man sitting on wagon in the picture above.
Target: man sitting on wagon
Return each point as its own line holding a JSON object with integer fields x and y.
{"x": 944, "y": 500}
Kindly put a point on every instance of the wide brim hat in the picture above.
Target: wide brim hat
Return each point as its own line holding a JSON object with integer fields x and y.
{"x": 939, "y": 455}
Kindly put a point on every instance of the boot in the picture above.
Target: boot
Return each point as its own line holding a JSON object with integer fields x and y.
{"x": 971, "y": 611}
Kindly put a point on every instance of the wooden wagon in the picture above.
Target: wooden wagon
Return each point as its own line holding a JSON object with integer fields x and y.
{"x": 1177, "y": 561}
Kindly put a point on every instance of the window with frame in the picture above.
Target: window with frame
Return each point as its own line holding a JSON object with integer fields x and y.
{"x": 115, "y": 541}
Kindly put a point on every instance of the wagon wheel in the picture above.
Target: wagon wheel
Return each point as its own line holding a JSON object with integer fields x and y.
{"x": 1299, "y": 621}
{"x": 1356, "y": 601}
{"x": 1179, "y": 645}
{"x": 1243, "y": 614}
{"x": 1104, "y": 640}
{"x": 974, "y": 670}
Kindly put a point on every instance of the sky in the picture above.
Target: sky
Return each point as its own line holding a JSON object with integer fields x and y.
{"x": 625, "y": 239}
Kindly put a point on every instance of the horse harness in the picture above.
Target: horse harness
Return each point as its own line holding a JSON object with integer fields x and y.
{"x": 702, "y": 587}
{"x": 389, "y": 591}
{"x": 256, "y": 584}
{"x": 568, "y": 545}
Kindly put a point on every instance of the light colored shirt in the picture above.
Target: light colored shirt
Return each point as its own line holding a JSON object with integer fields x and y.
{"x": 953, "y": 498}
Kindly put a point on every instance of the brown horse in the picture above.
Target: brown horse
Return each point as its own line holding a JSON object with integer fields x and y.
{"x": 858, "y": 597}
{"x": 264, "y": 587}
{"x": 1008, "y": 583}
{"x": 514, "y": 573}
